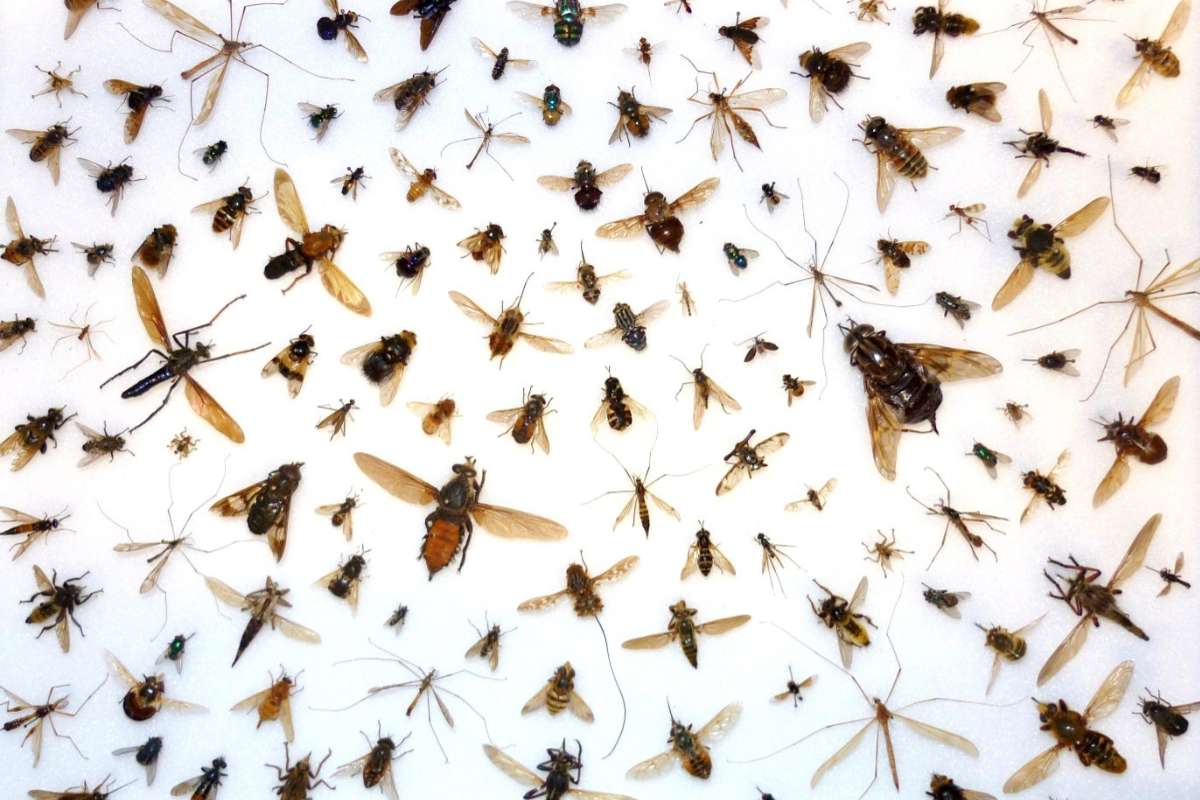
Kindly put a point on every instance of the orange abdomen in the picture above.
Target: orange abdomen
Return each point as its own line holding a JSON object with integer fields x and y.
{"x": 441, "y": 543}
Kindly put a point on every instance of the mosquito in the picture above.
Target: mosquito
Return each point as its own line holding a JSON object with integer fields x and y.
{"x": 82, "y": 333}
{"x": 34, "y": 716}
{"x": 487, "y": 132}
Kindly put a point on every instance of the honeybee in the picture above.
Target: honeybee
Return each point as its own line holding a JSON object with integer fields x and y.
{"x": 587, "y": 281}
{"x": 139, "y": 99}
{"x": 703, "y": 555}
{"x": 1044, "y": 486}
{"x": 843, "y": 619}
{"x": 898, "y": 151}
{"x": 745, "y": 38}
{"x": 559, "y": 693}
{"x": 928, "y": 18}
{"x": 1009, "y": 645}
{"x": 1132, "y": 439}
{"x": 630, "y": 328}
{"x": 146, "y": 697}
{"x": 976, "y": 98}
{"x": 436, "y": 417}
{"x": 1156, "y": 55}
{"x": 688, "y": 748}
{"x": 748, "y": 459}
{"x": 266, "y": 504}
{"x": 422, "y": 182}
{"x": 829, "y": 74}
{"x": 409, "y": 94}
{"x": 46, "y": 145}
{"x": 683, "y": 628}
{"x": 1039, "y": 146}
{"x": 586, "y": 182}
{"x": 292, "y": 362}
{"x": 526, "y": 422}
{"x": 633, "y": 118}
{"x": 273, "y": 703}
{"x": 383, "y": 362}
{"x": 506, "y": 328}
{"x": 484, "y": 245}
{"x": 895, "y": 256}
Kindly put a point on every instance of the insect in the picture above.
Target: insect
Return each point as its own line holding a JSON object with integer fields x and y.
{"x": 760, "y": 345}
{"x": 748, "y": 459}
{"x": 410, "y": 94}
{"x": 34, "y": 716}
{"x": 1168, "y": 721}
{"x": 46, "y": 145}
{"x": 422, "y": 182}
{"x": 1155, "y": 55}
{"x": 558, "y": 694}
{"x": 484, "y": 245}
{"x": 157, "y": 249}
{"x": 793, "y": 691}
{"x": 338, "y": 419}
{"x": 31, "y": 527}
{"x": 1147, "y": 173}
{"x": 500, "y": 61}
{"x": 449, "y": 527}
{"x": 273, "y": 703}
{"x": 506, "y": 328}
{"x": 1048, "y": 21}
{"x": 680, "y": 5}
{"x": 31, "y": 437}
{"x": 526, "y": 422}
{"x": 703, "y": 555}
{"x": 211, "y": 155}
{"x": 618, "y": 408}
{"x": 630, "y": 328}
{"x": 959, "y": 520}
{"x": 970, "y": 216}
{"x": 145, "y": 754}
{"x": 546, "y": 242}
{"x": 262, "y": 605}
{"x": 771, "y": 197}
{"x": 1009, "y": 645}
{"x": 183, "y": 444}
{"x": 1043, "y": 246}
{"x": 1015, "y": 412}
{"x": 1072, "y": 730}
{"x": 397, "y": 619}
{"x": 1044, "y": 486}
{"x": 56, "y": 83}
{"x": 587, "y": 281}
{"x": 683, "y": 628}
{"x": 1091, "y": 602}
{"x": 689, "y": 748}
{"x": 488, "y": 645}
{"x": 895, "y": 256}
{"x": 870, "y": 10}
{"x": 82, "y": 333}
{"x": 817, "y": 498}
{"x": 884, "y": 552}
{"x": 100, "y": 444}
{"x": 410, "y": 265}
{"x": 139, "y": 99}
{"x": 638, "y": 496}
{"x": 174, "y": 652}
{"x": 1038, "y": 145}
{"x": 22, "y": 249}
{"x": 772, "y": 560}
{"x": 354, "y": 178}
{"x": 943, "y": 788}
{"x": 705, "y": 389}
{"x": 432, "y": 14}
{"x": 376, "y": 766}
{"x": 146, "y": 697}
{"x": 100, "y": 792}
{"x": 829, "y": 75}
{"x": 229, "y": 212}
{"x": 1171, "y": 577}
{"x": 18, "y": 328}
{"x": 319, "y": 117}
{"x": 341, "y": 514}
{"x": 341, "y": 21}
{"x": 266, "y": 504}
{"x": 686, "y": 303}
{"x": 299, "y": 780}
{"x": 903, "y": 384}
{"x": 586, "y": 183}
{"x": 96, "y": 255}
{"x": 843, "y": 619}
{"x": 292, "y": 362}
{"x": 1058, "y": 361}
{"x": 203, "y": 786}
{"x": 581, "y": 589}
{"x": 898, "y": 151}
{"x": 634, "y": 118}
{"x": 955, "y": 306}
{"x": 320, "y": 247}
{"x": 568, "y": 17}
{"x": 110, "y": 180}
{"x": 927, "y": 19}
{"x": 436, "y": 417}
{"x": 383, "y": 362}
{"x": 644, "y": 52}
{"x": 60, "y": 604}
{"x": 977, "y": 98}
{"x": 944, "y": 601}
{"x": 487, "y": 133}
{"x": 737, "y": 257}
{"x": 728, "y": 108}
{"x": 550, "y": 104}
{"x": 744, "y": 36}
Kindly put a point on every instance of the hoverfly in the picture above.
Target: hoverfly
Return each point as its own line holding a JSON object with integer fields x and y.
{"x": 705, "y": 389}
{"x": 703, "y": 555}
{"x": 319, "y": 117}
{"x": 550, "y": 104}
{"x": 411, "y": 93}
{"x": 110, "y": 180}
{"x": 383, "y": 362}
{"x": 644, "y": 52}
{"x": 771, "y": 197}
{"x": 526, "y": 422}
{"x": 772, "y": 560}
{"x": 977, "y": 98}
{"x": 32, "y": 436}
{"x": 1170, "y": 577}
{"x": 229, "y": 212}
{"x": 96, "y": 255}
{"x": 898, "y": 152}
{"x": 300, "y": 779}
{"x": 884, "y": 552}
{"x": 262, "y": 605}
{"x": 18, "y": 328}
{"x": 829, "y": 74}
{"x": 341, "y": 514}
{"x": 273, "y": 703}
{"x": 587, "y": 281}
{"x": 1009, "y": 645}
{"x": 586, "y": 183}
{"x": 59, "y": 605}
{"x": 31, "y": 527}
{"x": 928, "y": 18}
{"x": 1039, "y": 146}
{"x": 139, "y": 99}
{"x": 449, "y": 527}
{"x": 422, "y": 182}
{"x": 727, "y": 110}
{"x": 970, "y": 216}
{"x": 1108, "y": 125}
{"x": 204, "y": 786}
{"x": 793, "y": 692}
{"x": 500, "y": 61}
{"x": 581, "y": 588}
{"x": 639, "y": 494}
{"x": 1058, "y": 361}
{"x": 338, "y": 418}
{"x": 266, "y": 504}
{"x": 559, "y": 693}
{"x": 376, "y": 766}
{"x": 688, "y": 748}
{"x": 157, "y": 249}
{"x": 145, "y": 697}
{"x": 318, "y": 247}
{"x": 903, "y": 384}
{"x": 506, "y": 328}
{"x": 843, "y": 619}
{"x": 1091, "y": 602}
{"x": 211, "y": 155}
{"x": 340, "y": 22}
{"x": 432, "y": 14}
{"x": 568, "y": 17}
{"x": 351, "y": 181}
{"x": 1072, "y": 730}
{"x": 817, "y": 498}
{"x": 21, "y": 250}
{"x": 1155, "y": 55}
{"x": 944, "y": 601}
{"x": 955, "y": 306}
{"x": 292, "y": 362}
{"x": 895, "y": 256}
{"x": 34, "y": 716}
{"x": 410, "y": 265}
{"x": 634, "y": 118}
{"x": 57, "y": 83}
{"x": 46, "y": 145}
{"x": 1044, "y": 486}
{"x": 683, "y": 628}
{"x": 436, "y": 417}
{"x": 748, "y": 459}
{"x": 630, "y": 328}
{"x": 487, "y": 134}
{"x": 484, "y": 245}
{"x": 146, "y": 755}
{"x": 174, "y": 652}
{"x": 488, "y": 645}
{"x": 1168, "y": 721}
{"x": 618, "y": 407}
{"x": 1132, "y": 439}
{"x": 743, "y": 34}
{"x": 959, "y": 520}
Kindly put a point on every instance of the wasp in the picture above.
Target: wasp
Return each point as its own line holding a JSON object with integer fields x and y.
{"x": 34, "y": 717}
{"x": 843, "y": 619}
{"x": 895, "y": 256}
{"x": 266, "y": 504}
{"x": 319, "y": 117}
{"x": 139, "y": 99}
{"x": 340, "y": 22}
{"x": 262, "y": 605}
{"x": 1009, "y": 645}
{"x": 928, "y": 19}
{"x": 484, "y": 245}
{"x": 586, "y": 183}
{"x": 338, "y": 418}
{"x": 273, "y": 703}
{"x": 771, "y": 197}
{"x": 96, "y": 255}
{"x": 203, "y": 786}
{"x": 884, "y": 552}
{"x": 1044, "y": 486}
{"x": 944, "y": 601}
{"x": 630, "y": 328}
{"x": 1039, "y": 146}
{"x": 587, "y": 281}
{"x": 157, "y": 249}
{"x": 57, "y": 83}
{"x": 1147, "y": 173}
{"x": 526, "y": 422}
{"x": 506, "y": 328}
{"x": 1168, "y": 721}
{"x": 634, "y": 118}
{"x": 898, "y": 151}
{"x": 1132, "y": 439}
{"x": 343, "y": 583}
{"x": 383, "y": 362}
{"x": 46, "y": 145}
{"x": 436, "y": 417}
{"x": 229, "y": 212}
{"x": 684, "y": 628}
{"x": 954, "y": 306}
{"x": 31, "y": 527}
{"x": 559, "y": 693}
{"x": 970, "y": 216}
{"x": 703, "y": 555}
{"x": 212, "y": 154}
{"x": 299, "y": 780}
{"x": 748, "y": 459}
{"x": 145, "y": 754}
{"x": 549, "y": 103}
{"x": 31, "y": 437}
{"x": 22, "y": 249}
{"x": 1155, "y": 55}
{"x": 351, "y": 181}
{"x": 292, "y": 362}
{"x": 829, "y": 75}
{"x": 341, "y": 514}
{"x": 689, "y": 748}
{"x": 744, "y": 36}
{"x": 959, "y": 520}
{"x": 410, "y": 265}
{"x": 705, "y": 389}
{"x": 145, "y": 697}
{"x": 1171, "y": 576}
{"x": 174, "y": 652}
{"x": 793, "y": 691}
{"x": 977, "y": 98}
{"x": 432, "y": 14}
{"x": 100, "y": 444}
{"x": 376, "y": 766}
{"x": 183, "y": 444}
{"x": 618, "y": 408}
{"x": 1058, "y": 361}
{"x": 487, "y": 134}
{"x": 568, "y": 17}
{"x": 817, "y": 498}
{"x": 18, "y": 328}
{"x": 725, "y": 105}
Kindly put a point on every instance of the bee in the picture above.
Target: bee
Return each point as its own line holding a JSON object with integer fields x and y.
{"x": 273, "y": 703}
{"x": 293, "y": 361}
{"x": 683, "y": 628}
{"x": 793, "y": 690}
{"x": 1171, "y": 577}
{"x": 203, "y": 786}
{"x": 771, "y": 197}
{"x": 110, "y": 180}
{"x": 31, "y": 527}
{"x": 688, "y": 748}
{"x": 1058, "y": 361}
{"x": 34, "y": 717}
{"x": 411, "y": 93}
{"x": 18, "y": 328}
{"x": 96, "y": 255}
{"x": 829, "y": 75}
{"x": 928, "y": 19}
{"x": 263, "y": 606}
{"x": 506, "y": 328}
{"x": 376, "y": 766}
{"x": 341, "y": 514}
{"x": 1108, "y": 125}
{"x": 266, "y": 504}
{"x": 139, "y": 99}
{"x": 354, "y": 178}
{"x": 944, "y": 601}
{"x": 884, "y": 552}
{"x": 895, "y": 256}
{"x": 748, "y": 459}
{"x": 1090, "y": 601}
{"x": 526, "y": 422}
{"x": 977, "y": 98}
{"x": 488, "y": 646}
{"x": 546, "y": 242}
{"x": 484, "y": 245}
{"x": 1147, "y": 173}
{"x": 1044, "y": 486}
{"x": 397, "y": 619}
{"x": 229, "y": 212}
{"x": 959, "y": 520}
{"x": 703, "y": 555}
{"x": 587, "y": 281}
{"x": 686, "y": 303}
{"x": 436, "y": 417}
{"x": 618, "y": 408}
{"x": 903, "y": 384}
{"x": 182, "y": 444}
{"x": 843, "y": 619}
{"x": 738, "y": 257}
{"x": 431, "y": 13}
{"x": 99, "y": 444}
{"x": 559, "y": 693}
{"x": 174, "y": 652}
{"x": 21, "y": 250}
{"x": 943, "y": 788}
{"x": 157, "y": 249}
{"x": 1155, "y": 55}
{"x": 704, "y": 390}
{"x": 817, "y": 498}
{"x": 1009, "y": 645}
{"x": 1039, "y": 146}
{"x": 46, "y": 145}
{"x": 31, "y": 437}
{"x": 745, "y": 38}
{"x": 630, "y": 328}
{"x": 1072, "y": 730}
{"x": 1043, "y": 246}
{"x": 970, "y": 216}
{"x": 57, "y": 84}
{"x": 146, "y": 697}
{"x": 1168, "y": 721}
{"x": 953, "y": 305}
{"x": 898, "y": 152}
{"x": 341, "y": 21}
{"x": 146, "y": 755}
{"x": 568, "y": 16}
{"x": 383, "y": 362}
{"x": 319, "y": 117}
{"x": 410, "y": 265}
{"x": 550, "y": 103}
{"x": 211, "y": 155}
{"x": 634, "y": 118}
{"x": 449, "y": 528}
{"x": 1132, "y": 439}
{"x": 339, "y": 417}
{"x": 644, "y": 52}
{"x": 586, "y": 183}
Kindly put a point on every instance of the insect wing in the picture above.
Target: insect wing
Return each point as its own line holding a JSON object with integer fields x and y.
{"x": 605, "y": 13}
{"x": 719, "y": 134}
{"x": 354, "y": 46}
{"x": 654, "y": 766}
{"x": 510, "y": 524}
{"x": 472, "y": 309}
{"x": 1176, "y": 24}
{"x": 885, "y": 180}
{"x": 402, "y": 484}
{"x": 953, "y": 364}
{"x": 253, "y": 701}
{"x": 1069, "y": 648}
{"x": 612, "y": 175}
{"x": 885, "y": 428}
{"x": 505, "y": 762}
{"x": 294, "y": 630}
{"x": 617, "y": 570}
{"x": 623, "y": 228}
{"x": 558, "y": 183}
{"x": 546, "y": 344}
{"x": 225, "y": 593}
{"x": 718, "y": 626}
{"x": 338, "y": 284}
{"x": 239, "y": 502}
{"x": 818, "y": 102}
{"x": 696, "y": 195}
{"x": 1020, "y": 277}
{"x": 540, "y": 603}
{"x": 1163, "y": 403}
{"x": 288, "y": 202}
{"x": 771, "y": 444}
{"x": 842, "y": 752}
{"x": 651, "y": 642}
{"x": 1036, "y": 771}
{"x": 214, "y": 89}
{"x": 1112, "y": 481}
{"x": 1109, "y": 695}
{"x": 1136, "y": 84}
{"x": 1082, "y": 219}
{"x": 732, "y": 478}
{"x": 1136, "y": 555}
{"x": 444, "y": 199}
{"x": 148, "y": 310}
{"x": 939, "y": 735}
{"x": 177, "y": 16}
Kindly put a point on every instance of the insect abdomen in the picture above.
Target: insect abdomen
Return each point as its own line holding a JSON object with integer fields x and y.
{"x": 442, "y": 540}
{"x": 698, "y": 762}
{"x": 1096, "y": 748}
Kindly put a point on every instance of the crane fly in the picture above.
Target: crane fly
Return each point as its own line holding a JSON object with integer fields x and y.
{"x": 725, "y": 105}
{"x": 34, "y": 716}
{"x": 487, "y": 134}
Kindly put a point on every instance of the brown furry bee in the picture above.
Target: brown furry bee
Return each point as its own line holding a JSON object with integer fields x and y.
{"x": 157, "y": 249}
{"x": 435, "y": 417}
{"x": 1131, "y": 439}
{"x": 1156, "y": 55}
{"x": 273, "y": 703}
{"x": 898, "y": 152}
{"x": 688, "y": 748}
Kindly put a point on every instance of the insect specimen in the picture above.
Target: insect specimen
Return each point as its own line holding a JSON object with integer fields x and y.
{"x": 1091, "y": 601}
{"x": 959, "y": 520}
{"x": 487, "y": 133}
{"x": 1048, "y": 21}
{"x": 943, "y": 788}
{"x": 704, "y": 389}
{"x": 340, "y": 22}
{"x": 1155, "y": 55}
{"x": 884, "y": 552}
{"x": 145, "y": 697}
{"x": 843, "y": 619}
{"x": 568, "y": 17}
{"x": 292, "y": 362}
{"x": 688, "y": 748}
{"x": 340, "y": 514}
{"x": 1009, "y": 645}
{"x": 1072, "y": 730}
{"x": 944, "y": 601}
{"x": 680, "y": 5}
{"x": 411, "y": 93}
{"x": 586, "y": 183}
{"x": 794, "y": 387}
{"x": 1058, "y": 361}
{"x": 500, "y": 61}
{"x": 771, "y": 197}
{"x": 60, "y": 604}
{"x": 970, "y": 216}
{"x": 772, "y": 560}
{"x": 526, "y": 422}
{"x": 383, "y": 362}
{"x": 644, "y": 52}
{"x": 262, "y": 605}
{"x": 266, "y": 504}
{"x": 1044, "y": 486}
{"x": 31, "y": 437}
{"x": 157, "y": 249}
{"x": 449, "y": 527}
{"x": 634, "y": 118}
{"x": 96, "y": 255}
{"x": 898, "y": 151}
{"x": 744, "y": 36}
{"x": 630, "y": 328}
{"x": 728, "y": 108}
{"x": 1108, "y": 125}
{"x": 18, "y": 328}
{"x": 397, "y": 619}
{"x": 146, "y": 755}
{"x": 546, "y": 242}
{"x": 31, "y": 527}
{"x": 703, "y": 555}
{"x": 1038, "y": 145}
{"x": 46, "y": 145}
{"x": 559, "y": 693}
{"x": 182, "y": 444}
{"x": 976, "y": 98}
{"x": 829, "y": 75}
{"x": 436, "y": 417}
{"x": 484, "y": 245}
{"x": 410, "y": 265}
{"x": 747, "y": 458}
{"x": 56, "y": 83}
{"x": 338, "y": 419}
{"x": 273, "y": 703}
{"x": 1168, "y": 721}
{"x": 1171, "y": 577}
{"x": 817, "y": 498}
{"x": 895, "y": 256}
{"x": 793, "y": 692}
{"x": 871, "y": 11}
{"x": 581, "y": 589}
{"x": 1147, "y": 173}
{"x": 955, "y": 306}
{"x": 99, "y": 792}
{"x": 683, "y": 628}
{"x": 488, "y": 645}
{"x": 354, "y": 178}
{"x": 928, "y": 19}
{"x": 300, "y": 779}
{"x": 587, "y": 281}
{"x": 422, "y": 182}
{"x": 203, "y": 786}
{"x": 34, "y": 716}
{"x": 618, "y": 407}
{"x": 110, "y": 180}
{"x": 506, "y": 328}
{"x": 432, "y": 14}
{"x": 1131, "y": 439}
{"x": 686, "y": 303}
{"x": 376, "y": 766}
{"x": 319, "y": 117}
{"x": 211, "y": 155}
{"x": 550, "y": 103}
{"x": 738, "y": 257}
{"x": 174, "y": 652}
{"x": 100, "y": 444}
{"x": 229, "y": 212}
{"x": 639, "y": 494}
{"x": 903, "y": 384}
{"x": 139, "y": 99}
{"x": 21, "y": 250}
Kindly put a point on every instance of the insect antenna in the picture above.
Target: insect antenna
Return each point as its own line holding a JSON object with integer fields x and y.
{"x": 613, "y": 670}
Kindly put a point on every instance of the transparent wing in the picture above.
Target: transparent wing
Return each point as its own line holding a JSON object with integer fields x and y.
{"x": 1163, "y": 403}
{"x": 1136, "y": 84}
{"x": 579, "y": 708}
{"x": 818, "y": 99}
{"x": 723, "y": 625}
{"x": 1112, "y": 481}
{"x": 224, "y": 593}
{"x": 691, "y": 563}
{"x": 1082, "y": 219}
{"x": 696, "y": 195}
{"x": 939, "y": 735}
{"x": 885, "y": 181}
{"x": 253, "y": 701}
{"x": 344, "y": 290}
{"x": 239, "y": 502}
{"x": 1069, "y": 648}
{"x": 506, "y": 416}
{"x": 210, "y": 410}
{"x": 1109, "y": 695}
{"x": 939, "y": 50}
{"x": 718, "y": 135}
{"x": 617, "y": 570}
{"x": 612, "y": 175}
{"x": 651, "y": 642}
{"x": 732, "y": 478}
{"x": 546, "y": 344}
{"x": 1175, "y": 26}
{"x": 177, "y": 16}
{"x": 210, "y": 94}
{"x": 444, "y": 199}
{"x": 654, "y": 766}
{"x": 1135, "y": 556}
{"x": 1034, "y": 772}
{"x": 542, "y": 603}
{"x": 605, "y": 13}
{"x": 623, "y": 228}
{"x": 24, "y": 136}
{"x": 953, "y": 364}
{"x": 355, "y": 47}
{"x": 757, "y": 99}
{"x": 842, "y": 752}
{"x": 402, "y": 484}
{"x": 294, "y": 630}
{"x": 403, "y": 164}
{"x": 721, "y": 724}
{"x": 505, "y": 762}
{"x": 1020, "y": 277}
{"x": 288, "y": 203}
{"x": 885, "y": 429}
{"x": 771, "y": 444}
{"x": 662, "y": 504}
{"x": 850, "y": 52}
{"x": 558, "y": 183}
{"x": 1044, "y": 109}
{"x": 512, "y": 524}
{"x": 535, "y": 702}
{"x": 1035, "y": 170}
{"x": 120, "y": 670}
{"x": 931, "y": 137}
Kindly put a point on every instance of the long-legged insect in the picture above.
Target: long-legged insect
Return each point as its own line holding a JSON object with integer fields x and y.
{"x": 959, "y": 520}
{"x": 1045, "y": 20}
{"x": 726, "y": 119}
{"x": 56, "y": 83}
{"x": 772, "y": 560}
{"x": 82, "y": 333}
{"x": 487, "y": 133}
{"x": 639, "y": 494}
{"x": 33, "y": 716}
{"x": 884, "y": 552}
{"x": 31, "y": 527}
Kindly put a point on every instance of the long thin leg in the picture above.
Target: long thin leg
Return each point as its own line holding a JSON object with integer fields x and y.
{"x": 161, "y": 406}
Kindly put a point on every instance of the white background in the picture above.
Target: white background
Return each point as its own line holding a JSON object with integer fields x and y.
{"x": 941, "y": 657}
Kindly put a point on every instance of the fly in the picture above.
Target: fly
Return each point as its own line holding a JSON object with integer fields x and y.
{"x": 266, "y": 504}
{"x": 959, "y": 520}
{"x": 262, "y": 605}
{"x": 683, "y": 628}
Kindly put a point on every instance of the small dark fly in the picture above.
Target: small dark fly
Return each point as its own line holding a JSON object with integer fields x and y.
{"x": 432, "y": 14}
{"x": 502, "y": 60}
{"x": 203, "y": 786}
{"x": 829, "y": 73}
{"x": 139, "y": 99}
{"x": 338, "y": 22}
{"x": 319, "y": 117}
{"x": 587, "y": 282}
{"x": 562, "y": 767}
{"x": 410, "y": 265}
{"x": 1058, "y": 361}
{"x": 17, "y": 328}
{"x": 351, "y": 181}
{"x": 1044, "y": 486}
{"x": 175, "y": 652}
{"x": 341, "y": 515}
{"x": 896, "y": 255}
{"x": 634, "y": 118}
{"x": 743, "y": 34}
{"x": 772, "y": 560}
{"x": 928, "y": 19}
{"x": 157, "y": 249}
{"x": 376, "y": 766}
{"x": 1039, "y": 146}
{"x": 211, "y": 155}
{"x": 618, "y": 408}
{"x": 383, "y": 362}
{"x": 1171, "y": 576}
{"x": 1147, "y": 173}
{"x": 1108, "y": 125}
{"x": 977, "y": 98}
{"x": 488, "y": 645}
{"x": 527, "y": 422}
{"x": 96, "y": 255}
{"x": 411, "y": 93}
{"x": 546, "y": 242}
{"x": 146, "y": 755}
{"x": 630, "y": 328}
{"x": 1168, "y": 720}
{"x": 100, "y": 444}
{"x": 110, "y": 180}
{"x": 954, "y": 306}
{"x": 944, "y": 601}
{"x": 771, "y": 197}
{"x": 816, "y": 498}
{"x": 748, "y": 459}
{"x": 988, "y": 457}
{"x": 397, "y": 618}
{"x": 759, "y": 346}
{"x": 792, "y": 693}
{"x": 344, "y": 582}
